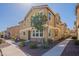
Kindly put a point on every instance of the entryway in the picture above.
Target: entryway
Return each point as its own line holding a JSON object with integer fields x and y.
{"x": 29, "y": 33}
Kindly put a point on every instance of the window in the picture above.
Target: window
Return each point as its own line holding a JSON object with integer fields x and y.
{"x": 23, "y": 33}
{"x": 37, "y": 33}
{"x": 41, "y": 33}
{"x": 49, "y": 16}
{"x": 33, "y": 33}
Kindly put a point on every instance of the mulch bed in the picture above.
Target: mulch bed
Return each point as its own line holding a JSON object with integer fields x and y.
{"x": 37, "y": 51}
{"x": 71, "y": 49}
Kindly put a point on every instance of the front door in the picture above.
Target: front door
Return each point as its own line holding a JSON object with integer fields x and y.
{"x": 29, "y": 35}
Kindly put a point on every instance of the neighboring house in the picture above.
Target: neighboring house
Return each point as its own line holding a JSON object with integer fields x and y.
{"x": 53, "y": 26}
{"x": 63, "y": 30}
{"x": 68, "y": 32}
{"x": 77, "y": 20}
{"x": 73, "y": 33}
{"x": 12, "y": 32}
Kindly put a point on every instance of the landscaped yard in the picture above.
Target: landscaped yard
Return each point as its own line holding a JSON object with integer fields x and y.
{"x": 37, "y": 51}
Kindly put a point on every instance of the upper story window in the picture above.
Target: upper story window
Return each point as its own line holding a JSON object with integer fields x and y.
{"x": 49, "y": 16}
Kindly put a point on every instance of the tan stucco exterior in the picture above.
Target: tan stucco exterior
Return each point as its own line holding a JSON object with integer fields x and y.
{"x": 55, "y": 24}
{"x": 57, "y": 28}
{"x": 13, "y": 31}
{"x": 26, "y": 23}
{"x": 77, "y": 20}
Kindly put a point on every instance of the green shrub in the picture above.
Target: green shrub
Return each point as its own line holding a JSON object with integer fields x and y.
{"x": 50, "y": 41}
{"x": 45, "y": 45}
{"x": 22, "y": 44}
{"x": 13, "y": 38}
{"x": 1, "y": 41}
{"x": 74, "y": 37}
{"x": 76, "y": 42}
{"x": 33, "y": 45}
{"x": 21, "y": 40}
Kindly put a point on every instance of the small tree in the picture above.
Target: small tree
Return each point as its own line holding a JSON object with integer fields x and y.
{"x": 38, "y": 21}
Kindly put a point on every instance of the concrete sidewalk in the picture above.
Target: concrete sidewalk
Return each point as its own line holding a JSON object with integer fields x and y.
{"x": 58, "y": 49}
{"x": 12, "y": 50}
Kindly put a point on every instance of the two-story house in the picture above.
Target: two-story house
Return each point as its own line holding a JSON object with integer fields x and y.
{"x": 77, "y": 20}
{"x": 54, "y": 28}
{"x": 12, "y": 32}
{"x": 30, "y": 33}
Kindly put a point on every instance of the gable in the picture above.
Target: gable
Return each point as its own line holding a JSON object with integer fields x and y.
{"x": 33, "y": 11}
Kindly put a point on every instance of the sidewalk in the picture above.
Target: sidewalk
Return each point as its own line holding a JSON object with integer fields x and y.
{"x": 58, "y": 49}
{"x": 12, "y": 50}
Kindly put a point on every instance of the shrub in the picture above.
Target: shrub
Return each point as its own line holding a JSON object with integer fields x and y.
{"x": 22, "y": 44}
{"x": 45, "y": 45}
{"x": 76, "y": 42}
{"x": 22, "y": 40}
{"x": 50, "y": 41}
{"x": 1, "y": 41}
{"x": 13, "y": 38}
{"x": 74, "y": 37}
{"x": 33, "y": 45}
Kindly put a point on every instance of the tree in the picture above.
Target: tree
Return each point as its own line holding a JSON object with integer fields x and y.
{"x": 38, "y": 21}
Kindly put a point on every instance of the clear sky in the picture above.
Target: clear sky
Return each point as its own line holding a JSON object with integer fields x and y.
{"x": 11, "y": 14}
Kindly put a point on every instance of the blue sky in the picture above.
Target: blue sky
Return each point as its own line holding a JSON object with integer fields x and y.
{"x": 11, "y": 14}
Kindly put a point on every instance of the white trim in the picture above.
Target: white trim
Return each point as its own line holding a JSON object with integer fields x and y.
{"x": 35, "y": 34}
